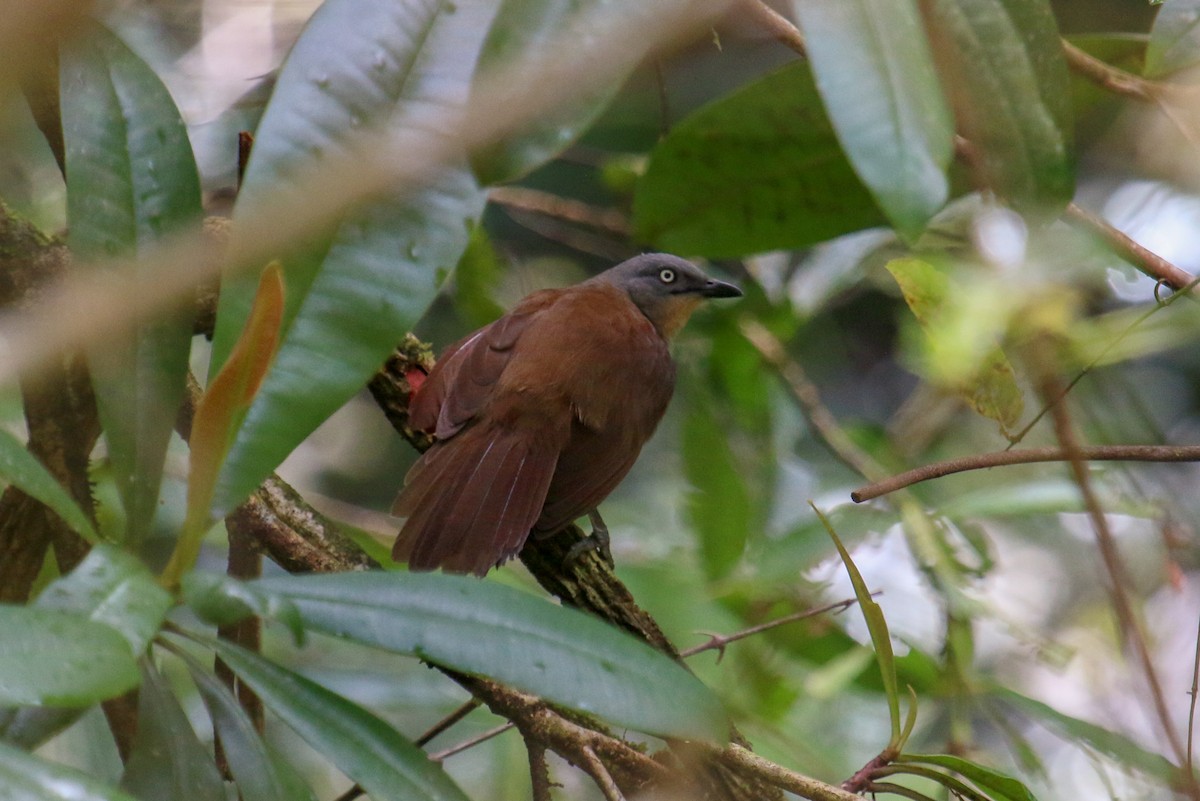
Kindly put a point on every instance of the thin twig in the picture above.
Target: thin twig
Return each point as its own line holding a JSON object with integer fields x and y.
{"x": 1131, "y": 628}
{"x": 779, "y": 26}
{"x": 600, "y": 775}
{"x": 539, "y": 771}
{"x": 1109, "y": 77}
{"x": 562, "y": 208}
{"x": 719, "y": 641}
{"x": 471, "y": 742}
{"x": 1144, "y": 260}
{"x": 981, "y": 461}
{"x": 896, "y": 789}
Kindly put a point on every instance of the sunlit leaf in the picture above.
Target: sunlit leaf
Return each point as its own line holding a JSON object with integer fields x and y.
{"x": 356, "y": 287}
{"x": 22, "y": 469}
{"x": 131, "y": 180}
{"x": 24, "y": 777}
{"x": 760, "y": 169}
{"x": 876, "y": 75}
{"x": 168, "y": 761}
{"x": 389, "y": 767}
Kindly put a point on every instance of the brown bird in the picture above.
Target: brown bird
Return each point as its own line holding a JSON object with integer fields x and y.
{"x": 538, "y": 416}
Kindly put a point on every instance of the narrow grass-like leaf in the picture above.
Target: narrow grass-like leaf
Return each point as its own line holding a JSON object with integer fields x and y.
{"x": 131, "y": 180}
{"x": 168, "y": 761}
{"x": 356, "y": 287}
{"x": 1006, "y": 71}
{"x": 999, "y": 786}
{"x": 486, "y": 629}
{"x": 760, "y": 169}
{"x": 878, "y": 628}
{"x": 24, "y": 777}
{"x": 260, "y": 776}
{"x": 369, "y": 751}
{"x": 22, "y": 469}
{"x": 112, "y": 587}
{"x": 875, "y": 73}
{"x": 55, "y": 658}
{"x": 1174, "y": 38}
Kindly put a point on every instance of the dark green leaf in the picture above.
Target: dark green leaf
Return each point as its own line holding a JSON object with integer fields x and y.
{"x": 1174, "y": 38}
{"x": 523, "y": 27}
{"x": 354, "y": 290}
{"x": 168, "y": 761}
{"x": 361, "y": 745}
{"x": 259, "y": 774}
{"x": 112, "y": 587}
{"x": 1005, "y": 68}
{"x": 718, "y": 506}
{"x": 24, "y": 777}
{"x": 758, "y": 170}
{"x": 22, "y": 469}
{"x": 218, "y": 599}
{"x": 999, "y": 786}
{"x": 60, "y": 659}
{"x": 876, "y": 75}
{"x": 131, "y": 180}
{"x": 486, "y": 629}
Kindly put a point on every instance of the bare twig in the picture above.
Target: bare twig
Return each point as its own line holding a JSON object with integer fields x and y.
{"x": 720, "y": 641}
{"x": 483, "y": 737}
{"x": 778, "y": 25}
{"x": 981, "y": 461}
{"x": 1109, "y": 77}
{"x": 562, "y": 208}
{"x": 600, "y": 775}
{"x": 1146, "y": 261}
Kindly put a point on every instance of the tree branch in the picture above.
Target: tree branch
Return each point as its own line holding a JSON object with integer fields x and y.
{"x": 1146, "y": 261}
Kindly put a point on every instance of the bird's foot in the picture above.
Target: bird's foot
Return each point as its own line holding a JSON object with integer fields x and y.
{"x": 596, "y": 541}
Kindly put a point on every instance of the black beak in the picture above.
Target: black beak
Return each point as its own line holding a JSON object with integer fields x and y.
{"x": 719, "y": 289}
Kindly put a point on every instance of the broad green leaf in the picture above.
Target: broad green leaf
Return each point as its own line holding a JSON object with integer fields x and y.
{"x": 354, "y": 289}
{"x": 1004, "y": 66}
{"x": 22, "y": 469}
{"x": 220, "y": 410}
{"x": 221, "y": 600}
{"x": 168, "y": 761}
{"x": 977, "y": 370}
{"x": 112, "y": 587}
{"x": 999, "y": 786}
{"x": 24, "y": 777}
{"x": 369, "y": 751}
{"x": 758, "y": 170}
{"x": 1174, "y": 38}
{"x": 881, "y": 639}
{"x": 486, "y": 629}
{"x": 875, "y": 73}
{"x": 55, "y": 658}
{"x": 131, "y": 180}
{"x": 1110, "y": 743}
{"x": 524, "y": 27}
{"x": 259, "y": 774}
{"x": 718, "y": 505}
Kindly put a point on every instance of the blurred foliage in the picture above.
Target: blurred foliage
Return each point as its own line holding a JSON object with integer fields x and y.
{"x": 896, "y": 207}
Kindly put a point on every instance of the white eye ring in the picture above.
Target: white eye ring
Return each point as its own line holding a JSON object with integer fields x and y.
{"x": 666, "y": 275}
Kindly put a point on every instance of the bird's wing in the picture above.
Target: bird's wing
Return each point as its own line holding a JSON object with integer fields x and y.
{"x": 471, "y": 502}
{"x": 463, "y": 380}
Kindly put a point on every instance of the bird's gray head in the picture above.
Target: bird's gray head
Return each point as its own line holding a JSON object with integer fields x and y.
{"x": 666, "y": 288}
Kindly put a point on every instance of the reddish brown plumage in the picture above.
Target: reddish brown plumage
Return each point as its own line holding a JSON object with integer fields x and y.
{"x": 538, "y": 416}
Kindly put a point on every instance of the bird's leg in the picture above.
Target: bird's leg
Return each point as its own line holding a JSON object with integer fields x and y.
{"x": 596, "y": 541}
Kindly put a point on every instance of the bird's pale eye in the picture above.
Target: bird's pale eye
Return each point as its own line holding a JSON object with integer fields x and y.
{"x": 666, "y": 275}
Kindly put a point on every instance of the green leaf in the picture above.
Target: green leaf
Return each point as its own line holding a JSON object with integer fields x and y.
{"x": 1004, "y": 65}
{"x": 112, "y": 587}
{"x": 221, "y": 600}
{"x": 1110, "y": 743}
{"x": 24, "y": 777}
{"x": 1174, "y": 38}
{"x": 881, "y": 640}
{"x": 55, "y": 658}
{"x": 1000, "y": 786}
{"x": 260, "y": 775}
{"x": 758, "y": 170}
{"x": 875, "y": 73}
{"x": 22, "y": 469}
{"x": 487, "y": 629}
{"x": 131, "y": 180}
{"x": 965, "y": 361}
{"x": 355, "y": 289}
{"x": 361, "y": 745}
{"x": 718, "y": 505}
{"x": 522, "y": 27}
{"x": 168, "y": 761}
